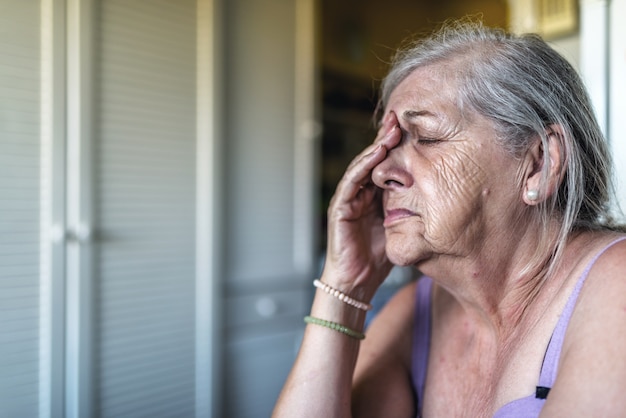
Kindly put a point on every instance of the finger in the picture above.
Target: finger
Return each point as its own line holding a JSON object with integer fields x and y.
{"x": 384, "y": 124}
{"x": 389, "y": 140}
{"x": 389, "y": 121}
{"x": 359, "y": 173}
{"x": 386, "y": 135}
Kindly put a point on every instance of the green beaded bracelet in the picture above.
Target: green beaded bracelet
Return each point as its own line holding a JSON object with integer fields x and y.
{"x": 334, "y": 326}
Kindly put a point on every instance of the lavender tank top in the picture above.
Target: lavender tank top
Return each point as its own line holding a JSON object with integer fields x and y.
{"x": 528, "y": 407}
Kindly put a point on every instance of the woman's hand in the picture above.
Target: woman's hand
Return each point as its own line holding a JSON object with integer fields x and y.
{"x": 356, "y": 261}
{"x": 320, "y": 383}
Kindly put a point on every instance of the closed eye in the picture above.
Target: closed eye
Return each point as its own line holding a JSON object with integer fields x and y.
{"x": 413, "y": 134}
{"x": 428, "y": 141}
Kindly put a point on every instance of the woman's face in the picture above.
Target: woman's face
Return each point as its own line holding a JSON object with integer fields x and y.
{"x": 447, "y": 186}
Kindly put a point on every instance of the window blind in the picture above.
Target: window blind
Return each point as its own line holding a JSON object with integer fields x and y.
{"x": 19, "y": 208}
{"x": 144, "y": 199}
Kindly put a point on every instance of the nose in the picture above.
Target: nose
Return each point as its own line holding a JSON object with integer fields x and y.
{"x": 392, "y": 172}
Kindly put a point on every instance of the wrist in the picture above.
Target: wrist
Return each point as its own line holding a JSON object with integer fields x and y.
{"x": 342, "y": 297}
{"x": 328, "y": 307}
{"x": 355, "y": 288}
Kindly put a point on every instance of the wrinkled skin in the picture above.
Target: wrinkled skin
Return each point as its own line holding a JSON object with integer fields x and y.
{"x": 447, "y": 185}
{"x": 356, "y": 259}
{"x": 448, "y": 188}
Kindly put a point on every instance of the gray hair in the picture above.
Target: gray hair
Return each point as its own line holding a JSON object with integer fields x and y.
{"x": 523, "y": 86}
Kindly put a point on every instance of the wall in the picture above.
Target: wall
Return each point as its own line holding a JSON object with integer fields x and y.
{"x": 267, "y": 279}
{"x": 617, "y": 94}
{"x": 603, "y": 68}
{"x": 359, "y": 37}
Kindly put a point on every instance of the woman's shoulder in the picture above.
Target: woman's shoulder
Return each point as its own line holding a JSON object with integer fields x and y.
{"x": 389, "y": 332}
{"x": 592, "y": 372}
{"x": 607, "y": 265}
{"x": 604, "y": 275}
{"x": 382, "y": 384}
{"x": 600, "y": 306}
{"x": 399, "y": 306}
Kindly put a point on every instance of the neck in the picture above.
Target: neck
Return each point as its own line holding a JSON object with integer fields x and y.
{"x": 503, "y": 285}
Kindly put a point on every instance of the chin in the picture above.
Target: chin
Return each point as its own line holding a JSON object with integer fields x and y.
{"x": 402, "y": 258}
{"x": 404, "y": 251}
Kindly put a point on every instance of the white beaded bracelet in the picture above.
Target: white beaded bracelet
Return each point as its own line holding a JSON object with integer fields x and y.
{"x": 341, "y": 296}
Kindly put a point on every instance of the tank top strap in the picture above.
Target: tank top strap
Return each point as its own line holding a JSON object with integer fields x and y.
{"x": 421, "y": 337}
{"x": 553, "y": 352}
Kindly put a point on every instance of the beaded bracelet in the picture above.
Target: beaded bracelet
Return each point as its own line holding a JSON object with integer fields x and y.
{"x": 341, "y": 296}
{"x": 334, "y": 326}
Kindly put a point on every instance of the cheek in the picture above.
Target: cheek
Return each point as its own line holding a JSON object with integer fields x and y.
{"x": 454, "y": 197}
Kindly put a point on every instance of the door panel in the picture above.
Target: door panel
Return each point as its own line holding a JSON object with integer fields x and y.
{"x": 20, "y": 206}
{"x": 144, "y": 160}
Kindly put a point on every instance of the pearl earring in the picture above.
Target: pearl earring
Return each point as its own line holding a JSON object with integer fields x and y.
{"x": 532, "y": 195}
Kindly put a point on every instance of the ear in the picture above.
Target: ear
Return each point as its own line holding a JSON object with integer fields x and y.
{"x": 545, "y": 166}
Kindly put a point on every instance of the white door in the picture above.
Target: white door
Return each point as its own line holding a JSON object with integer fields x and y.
{"x": 156, "y": 200}
{"x": 106, "y": 177}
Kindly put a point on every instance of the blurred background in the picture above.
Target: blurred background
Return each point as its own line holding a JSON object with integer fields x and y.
{"x": 165, "y": 167}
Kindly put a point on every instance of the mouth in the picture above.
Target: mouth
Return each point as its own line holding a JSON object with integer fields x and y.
{"x": 395, "y": 215}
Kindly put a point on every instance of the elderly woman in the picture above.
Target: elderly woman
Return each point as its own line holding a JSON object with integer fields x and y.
{"x": 494, "y": 181}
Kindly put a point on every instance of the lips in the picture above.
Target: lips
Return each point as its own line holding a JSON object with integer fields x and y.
{"x": 394, "y": 215}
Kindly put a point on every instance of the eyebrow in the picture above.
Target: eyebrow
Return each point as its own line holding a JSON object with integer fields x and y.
{"x": 414, "y": 114}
